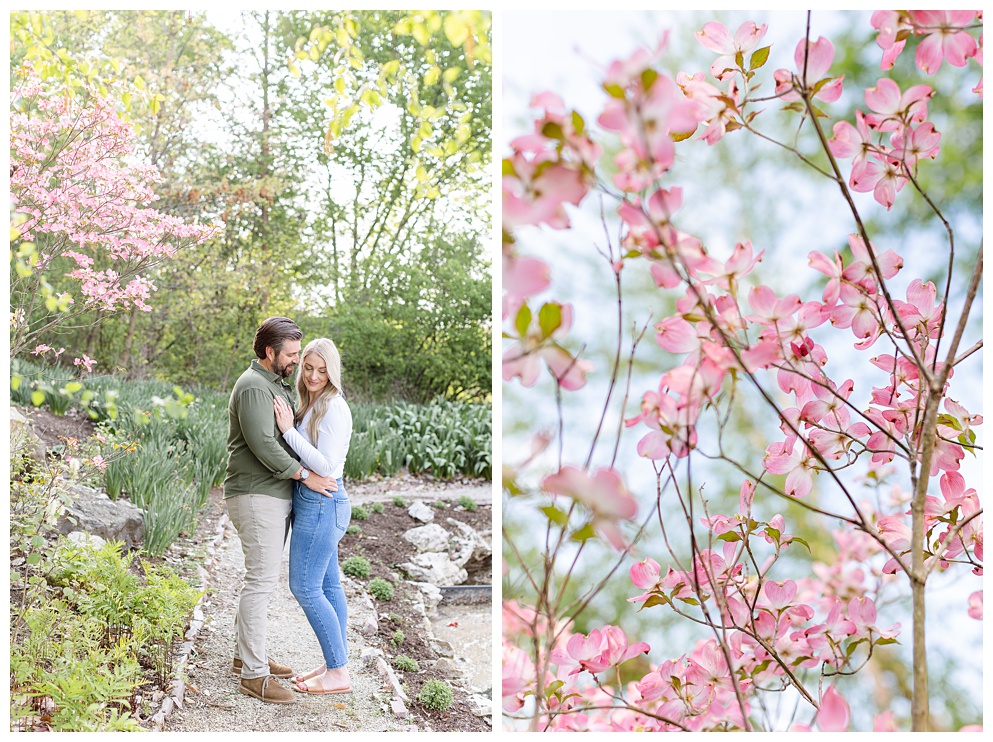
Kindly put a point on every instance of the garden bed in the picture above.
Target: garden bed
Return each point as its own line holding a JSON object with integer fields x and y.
{"x": 381, "y": 542}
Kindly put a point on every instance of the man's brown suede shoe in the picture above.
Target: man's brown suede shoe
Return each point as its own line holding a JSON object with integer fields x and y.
{"x": 266, "y": 689}
{"x": 280, "y": 671}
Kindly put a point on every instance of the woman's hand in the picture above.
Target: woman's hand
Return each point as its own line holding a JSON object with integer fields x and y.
{"x": 284, "y": 414}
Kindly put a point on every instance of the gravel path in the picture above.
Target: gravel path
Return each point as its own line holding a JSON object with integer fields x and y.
{"x": 212, "y": 702}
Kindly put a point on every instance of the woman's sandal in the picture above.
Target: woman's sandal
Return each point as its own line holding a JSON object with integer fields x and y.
{"x": 302, "y": 687}
{"x": 312, "y": 674}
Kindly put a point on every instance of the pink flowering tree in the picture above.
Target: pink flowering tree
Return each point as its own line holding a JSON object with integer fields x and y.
{"x": 83, "y": 236}
{"x": 868, "y": 431}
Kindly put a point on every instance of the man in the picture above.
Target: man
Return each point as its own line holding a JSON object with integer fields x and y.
{"x": 258, "y": 491}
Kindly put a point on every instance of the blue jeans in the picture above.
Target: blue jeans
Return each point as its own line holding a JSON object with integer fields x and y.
{"x": 319, "y": 522}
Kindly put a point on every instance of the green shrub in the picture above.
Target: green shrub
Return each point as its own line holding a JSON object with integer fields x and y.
{"x": 397, "y": 638}
{"x": 436, "y": 694}
{"x": 440, "y": 504}
{"x": 380, "y": 589}
{"x": 90, "y": 627}
{"x": 377, "y": 507}
{"x": 353, "y": 530}
{"x": 403, "y": 663}
{"x": 399, "y": 502}
{"x": 356, "y": 566}
{"x": 467, "y": 502}
{"x": 360, "y": 513}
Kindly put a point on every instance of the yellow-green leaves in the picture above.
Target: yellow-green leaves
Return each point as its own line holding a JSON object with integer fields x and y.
{"x": 456, "y": 29}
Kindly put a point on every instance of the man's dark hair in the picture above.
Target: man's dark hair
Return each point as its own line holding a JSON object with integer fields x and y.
{"x": 273, "y": 332}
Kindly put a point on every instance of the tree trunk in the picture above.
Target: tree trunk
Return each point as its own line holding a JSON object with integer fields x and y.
{"x": 129, "y": 340}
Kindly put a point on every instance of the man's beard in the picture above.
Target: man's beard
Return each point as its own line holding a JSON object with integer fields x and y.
{"x": 285, "y": 370}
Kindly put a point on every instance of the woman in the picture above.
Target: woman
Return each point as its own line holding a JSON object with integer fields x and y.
{"x": 320, "y": 438}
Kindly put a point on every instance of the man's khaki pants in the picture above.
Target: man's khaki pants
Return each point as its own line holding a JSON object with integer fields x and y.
{"x": 263, "y": 523}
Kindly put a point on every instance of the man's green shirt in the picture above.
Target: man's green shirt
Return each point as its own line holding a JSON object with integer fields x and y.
{"x": 260, "y": 462}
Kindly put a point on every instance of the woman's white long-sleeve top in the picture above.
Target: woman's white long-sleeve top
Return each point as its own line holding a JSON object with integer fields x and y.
{"x": 333, "y": 435}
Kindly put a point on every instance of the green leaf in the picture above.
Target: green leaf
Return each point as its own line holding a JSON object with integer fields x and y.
{"x": 798, "y": 540}
{"x": 552, "y": 131}
{"x": 583, "y": 534}
{"x": 648, "y": 78}
{"x": 523, "y": 320}
{"x": 555, "y": 515}
{"x": 952, "y": 422}
{"x": 37, "y": 398}
{"x": 37, "y": 541}
{"x": 33, "y": 559}
{"x": 549, "y": 318}
{"x": 456, "y": 30}
{"x": 15, "y": 382}
{"x": 578, "y": 125}
{"x": 654, "y": 600}
{"x": 614, "y": 91}
{"x": 73, "y": 386}
{"x": 729, "y": 536}
{"x": 759, "y": 58}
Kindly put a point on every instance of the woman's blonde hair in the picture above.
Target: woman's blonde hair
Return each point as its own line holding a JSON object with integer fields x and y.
{"x": 328, "y": 352}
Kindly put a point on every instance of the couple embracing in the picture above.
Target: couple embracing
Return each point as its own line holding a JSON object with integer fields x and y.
{"x": 285, "y": 467}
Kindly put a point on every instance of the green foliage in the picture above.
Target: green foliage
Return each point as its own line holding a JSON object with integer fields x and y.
{"x": 164, "y": 447}
{"x": 356, "y": 566}
{"x": 377, "y": 507}
{"x": 467, "y": 502}
{"x": 353, "y": 530}
{"x": 442, "y": 438}
{"x": 83, "y": 623}
{"x": 403, "y": 663}
{"x": 397, "y": 638}
{"x": 399, "y": 502}
{"x": 436, "y": 694}
{"x": 439, "y": 504}
{"x": 402, "y": 252}
{"x": 360, "y": 513}
{"x": 149, "y": 612}
{"x": 380, "y": 589}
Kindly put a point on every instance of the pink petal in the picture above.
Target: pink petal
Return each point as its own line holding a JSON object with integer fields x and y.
{"x": 715, "y": 37}
{"x": 833, "y": 715}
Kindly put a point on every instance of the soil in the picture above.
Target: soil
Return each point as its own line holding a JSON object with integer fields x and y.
{"x": 381, "y": 542}
{"x": 53, "y": 429}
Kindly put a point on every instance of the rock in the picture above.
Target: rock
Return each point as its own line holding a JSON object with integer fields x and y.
{"x": 371, "y": 625}
{"x": 398, "y": 708}
{"x": 431, "y": 594}
{"x": 446, "y": 666}
{"x": 369, "y": 655}
{"x": 82, "y": 538}
{"x": 469, "y": 545}
{"x": 434, "y": 568}
{"x": 23, "y": 439}
{"x": 445, "y": 649}
{"x": 431, "y": 537}
{"x": 420, "y": 511}
{"x": 95, "y": 513}
{"x": 480, "y": 705}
